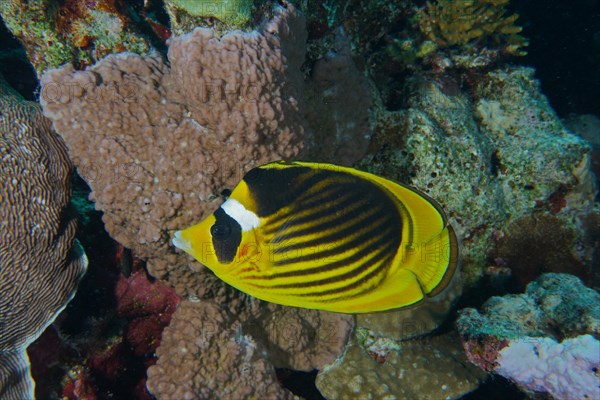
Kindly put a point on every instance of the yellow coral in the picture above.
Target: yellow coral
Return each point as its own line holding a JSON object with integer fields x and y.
{"x": 450, "y": 22}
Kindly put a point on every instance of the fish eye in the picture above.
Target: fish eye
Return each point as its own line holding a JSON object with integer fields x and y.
{"x": 220, "y": 230}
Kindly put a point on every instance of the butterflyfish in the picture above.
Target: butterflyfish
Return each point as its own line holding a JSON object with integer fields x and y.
{"x": 327, "y": 237}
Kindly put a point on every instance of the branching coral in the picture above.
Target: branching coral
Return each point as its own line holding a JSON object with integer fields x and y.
{"x": 449, "y": 23}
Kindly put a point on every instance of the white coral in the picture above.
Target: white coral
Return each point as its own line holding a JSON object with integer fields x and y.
{"x": 566, "y": 370}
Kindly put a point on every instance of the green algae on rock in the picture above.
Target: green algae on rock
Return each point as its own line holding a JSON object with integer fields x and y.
{"x": 236, "y": 12}
{"x": 57, "y": 32}
{"x": 220, "y": 15}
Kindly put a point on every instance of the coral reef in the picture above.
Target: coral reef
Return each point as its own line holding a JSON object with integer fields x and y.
{"x": 587, "y": 126}
{"x": 389, "y": 355}
{"x": 186, "y": 14}
{"x": 160, "y": 139}
{"x": 239, "y": 345}
{"x": 179, "y": 135}
{"x": 532, "y": 245}
{"x": 545, "y": 340}
{"x": 489, "y": 160}
{"x": 448, "y": 23}
{"x": 41, "y": 261}
{"x": 367, "y": 25}
{"x": 202, "y": 331}
{"x": 148, "y": 306}
{"x": 81, "y": 32}
{"x": 101, "y": 346}
{"x": 425, "y": 368}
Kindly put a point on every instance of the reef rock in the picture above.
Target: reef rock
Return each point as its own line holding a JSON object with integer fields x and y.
{"x": 489, "y": 156}
{"x": 545, "y": 340}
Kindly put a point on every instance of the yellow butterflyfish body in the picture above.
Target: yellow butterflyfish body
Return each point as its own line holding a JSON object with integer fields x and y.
{"x": 327, "y": 237}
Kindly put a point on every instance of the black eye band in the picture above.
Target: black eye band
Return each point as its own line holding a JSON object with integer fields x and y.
{"x": 226, "y": 235}
{"x": 220, "y": 231}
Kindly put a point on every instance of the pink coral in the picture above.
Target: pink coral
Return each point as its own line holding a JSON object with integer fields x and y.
{"x": 206, "y": 354}
{"x": 149, "y": 304}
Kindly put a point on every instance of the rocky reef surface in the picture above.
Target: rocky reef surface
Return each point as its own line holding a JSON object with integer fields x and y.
{"x": 545, "y": 340}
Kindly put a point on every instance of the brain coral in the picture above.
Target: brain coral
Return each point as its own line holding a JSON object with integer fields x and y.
{"x": 158, "y": 141}
{"x": 40, "y": 260}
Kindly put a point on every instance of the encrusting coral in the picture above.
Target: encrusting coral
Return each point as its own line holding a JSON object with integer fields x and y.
{"x": 488, "y": 161}
{"x": 545, "y": 340}
{"x": 158, "y": 144}
{"x": 41, "y": 262}
{"x": 426, "y": 368}
{"x": 396, "y": 355}
{"x": 82, "y": 32}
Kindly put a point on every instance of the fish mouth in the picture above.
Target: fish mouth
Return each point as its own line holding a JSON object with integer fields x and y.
{"x": 181, "y": 243}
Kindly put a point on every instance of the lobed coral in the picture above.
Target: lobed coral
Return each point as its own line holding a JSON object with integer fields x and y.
{"x": 450, "y": 23}
{"x": 41, "y": 262}
{"x": 243, "y": 346}
{"x": 545, "y": 340}
{"x": 162, "y": 141}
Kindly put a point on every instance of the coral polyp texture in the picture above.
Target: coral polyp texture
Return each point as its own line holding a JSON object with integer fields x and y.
{"x": 449, "y": 23}
{"x": 545, "y": 340}
{"x": 210, "y": 352}
{"x": 396, "y": 355}
{"x": 41, "y": 262}
{"x": 158, "y": 141}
